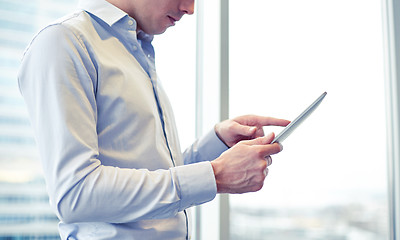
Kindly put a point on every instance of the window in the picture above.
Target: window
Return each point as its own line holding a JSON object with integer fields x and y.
{"x": 24, "y": 209}
{"x": 330, "y": 182}
{"x": 283, "y": 54}
{"x": 176, "y": 67}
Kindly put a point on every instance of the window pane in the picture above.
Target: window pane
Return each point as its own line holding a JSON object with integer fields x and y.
{"x": 330, "y": 181}
{"x": 176, "y": 68}
{"x": 24, "y": 208}
{"x": 176, "y": 61}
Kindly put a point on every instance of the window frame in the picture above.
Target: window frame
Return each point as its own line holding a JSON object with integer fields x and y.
{"x": 391, "y": 35}
{"x": 212, "y": 97}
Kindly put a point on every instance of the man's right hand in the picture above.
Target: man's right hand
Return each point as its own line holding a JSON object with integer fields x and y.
{"x": 244, "y": 167}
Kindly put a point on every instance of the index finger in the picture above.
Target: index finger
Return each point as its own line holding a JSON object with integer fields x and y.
{"x": 254, "y": 120}
{"x": 270, "y": 121}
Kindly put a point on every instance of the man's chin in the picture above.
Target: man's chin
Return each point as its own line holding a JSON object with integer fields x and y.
{"x": 161, "y": 31}
{"x": 156, "y": 32}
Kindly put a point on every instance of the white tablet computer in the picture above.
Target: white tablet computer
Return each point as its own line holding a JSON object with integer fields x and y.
{"x": 295, "y": 123}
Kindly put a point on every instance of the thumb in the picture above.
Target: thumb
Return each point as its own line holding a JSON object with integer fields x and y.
{"x": 262, "y": 140}
{"x": 270, "y": 137}
{"x": 246, "y": 130}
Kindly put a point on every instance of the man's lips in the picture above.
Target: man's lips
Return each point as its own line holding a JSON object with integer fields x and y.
{"x": 173, "y": 19}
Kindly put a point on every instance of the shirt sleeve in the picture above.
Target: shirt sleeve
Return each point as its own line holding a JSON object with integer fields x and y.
{"x": 57, "y": 79}
{"x": 206, "y": 148}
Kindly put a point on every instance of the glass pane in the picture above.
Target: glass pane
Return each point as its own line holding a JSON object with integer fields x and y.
{"x": 24, "y": 208}
{"x": 330, "y": 181}
{"x": 176, "y": 68}
{"x": 176, "y": 61}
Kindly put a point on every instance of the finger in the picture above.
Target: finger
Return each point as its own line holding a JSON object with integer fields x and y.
{"x": 259, "y": 132}
{"x": 270, "y": 121}
{"x": 266, "y": 150}
{"x": 260, "y": 140}
{"x": 269, "y": 137}
{"x": 254, "y": 120}
{"x": 262, "y": 147}
{"x": 244, "y": 130}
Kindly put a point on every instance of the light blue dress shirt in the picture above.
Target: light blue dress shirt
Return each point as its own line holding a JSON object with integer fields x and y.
{"x": 106, "y": 131}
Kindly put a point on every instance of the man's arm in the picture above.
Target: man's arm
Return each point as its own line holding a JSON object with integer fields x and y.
{"x": 206, "y": 148}
{"x": 58, "y": 80}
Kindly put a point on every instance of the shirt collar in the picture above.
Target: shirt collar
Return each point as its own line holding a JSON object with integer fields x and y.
{"x": 103, "y": 10}
{"x": 108, "y": 13}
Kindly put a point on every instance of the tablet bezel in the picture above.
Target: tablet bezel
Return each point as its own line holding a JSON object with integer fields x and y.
{"x": 300, "y": 119}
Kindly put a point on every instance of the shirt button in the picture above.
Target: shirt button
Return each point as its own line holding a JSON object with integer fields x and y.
{"x": 130, "y": 22}
{"x": 134, "y": 48}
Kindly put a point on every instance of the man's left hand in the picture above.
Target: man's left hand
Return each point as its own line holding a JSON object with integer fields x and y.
{"x": 245, "y": 127}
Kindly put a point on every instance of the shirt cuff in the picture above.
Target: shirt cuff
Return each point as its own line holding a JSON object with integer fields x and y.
{"x": 197, "y": 184}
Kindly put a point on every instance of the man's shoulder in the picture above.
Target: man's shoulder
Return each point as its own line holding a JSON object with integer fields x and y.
{"x": 74, "y": 24}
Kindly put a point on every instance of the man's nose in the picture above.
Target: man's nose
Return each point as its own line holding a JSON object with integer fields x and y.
{"x": 187, "y": 6}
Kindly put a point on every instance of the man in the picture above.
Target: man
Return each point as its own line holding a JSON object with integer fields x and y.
{"x": 106, "y": 132}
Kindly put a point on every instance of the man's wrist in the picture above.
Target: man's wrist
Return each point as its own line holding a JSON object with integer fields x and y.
{"x": 216, "y": 169}
{"x": 216, "y": 130}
